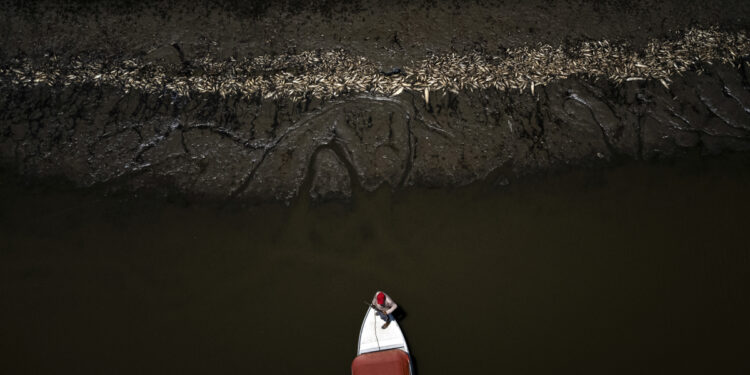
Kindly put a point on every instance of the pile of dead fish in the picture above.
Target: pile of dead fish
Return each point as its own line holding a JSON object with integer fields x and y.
{"x": 329, "y": 74}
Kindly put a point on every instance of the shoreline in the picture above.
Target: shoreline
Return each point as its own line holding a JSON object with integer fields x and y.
{"x": 210, "y": 102}
{"x": 239, "y": 148}
{"x": 499, "y": 182}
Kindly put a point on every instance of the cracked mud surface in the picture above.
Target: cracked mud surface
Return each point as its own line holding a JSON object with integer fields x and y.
{"x": 254, "y": 149}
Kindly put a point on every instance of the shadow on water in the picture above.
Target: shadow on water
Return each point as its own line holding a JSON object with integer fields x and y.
{"x": 637, "y": 269}
{"x": 400, "y": 314}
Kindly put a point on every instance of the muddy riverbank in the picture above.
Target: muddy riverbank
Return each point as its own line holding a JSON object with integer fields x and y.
{"x": 219, "y": 148}
{"x": 177, "y": 115}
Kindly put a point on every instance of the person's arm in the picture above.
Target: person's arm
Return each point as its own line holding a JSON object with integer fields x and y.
{"x": 393, "y": 305}
{"x": 392, "y": 309}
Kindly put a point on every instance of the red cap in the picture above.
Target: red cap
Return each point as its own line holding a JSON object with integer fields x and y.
{"x": 381, "y": 298}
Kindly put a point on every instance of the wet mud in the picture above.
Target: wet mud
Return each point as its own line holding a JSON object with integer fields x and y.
{"x": 234, "y": 147}
{"x": 244, "y": 147}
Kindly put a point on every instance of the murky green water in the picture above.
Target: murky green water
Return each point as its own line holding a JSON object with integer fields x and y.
{"x": 641, "y": 269}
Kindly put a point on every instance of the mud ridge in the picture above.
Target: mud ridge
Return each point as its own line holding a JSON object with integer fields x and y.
{"x": 235, "y": 148}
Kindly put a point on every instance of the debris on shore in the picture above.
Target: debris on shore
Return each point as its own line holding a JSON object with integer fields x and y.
{"x": 330, "y": 74}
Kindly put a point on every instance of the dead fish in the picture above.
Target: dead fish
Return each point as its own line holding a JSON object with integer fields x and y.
{"x": 397, "y": 92}
{"x": 426, "y": 95}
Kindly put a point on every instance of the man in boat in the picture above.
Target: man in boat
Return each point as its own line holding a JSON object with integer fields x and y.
{"x": 383, "y": 303}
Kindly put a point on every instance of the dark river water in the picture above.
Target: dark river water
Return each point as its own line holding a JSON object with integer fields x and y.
{"x": 637, "y": 269}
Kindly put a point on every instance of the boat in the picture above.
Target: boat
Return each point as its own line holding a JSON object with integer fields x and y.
{"x": 381, "y": 351}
